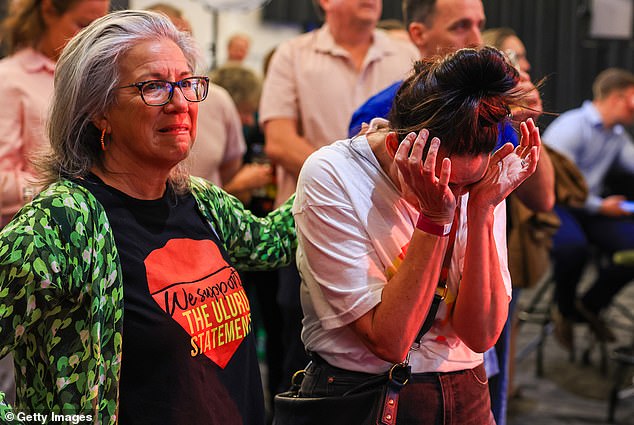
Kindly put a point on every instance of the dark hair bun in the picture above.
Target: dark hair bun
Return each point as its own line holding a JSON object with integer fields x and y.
{"x": 479, "y": 76}
{"x": 461, "y": 98}
{"x": 477, "y": 73}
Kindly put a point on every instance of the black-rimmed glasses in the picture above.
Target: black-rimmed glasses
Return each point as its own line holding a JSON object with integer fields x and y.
{"x": 160, "y": 92}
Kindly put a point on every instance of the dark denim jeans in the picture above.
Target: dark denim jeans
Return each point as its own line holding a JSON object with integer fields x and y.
{"x": 571, "y": 248}
{"x": 452, "y": 398}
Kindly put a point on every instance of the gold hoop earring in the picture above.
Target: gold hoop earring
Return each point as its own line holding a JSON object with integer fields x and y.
{"x": 102, "y": 140}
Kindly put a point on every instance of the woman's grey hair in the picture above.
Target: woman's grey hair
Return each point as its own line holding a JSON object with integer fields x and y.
{"x": 85, "y": 78}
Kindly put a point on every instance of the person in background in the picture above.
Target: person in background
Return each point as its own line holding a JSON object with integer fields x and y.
{"x": 244, "y": 86}
{"x": 506, "y": 40}
{"x": 217, "y": 154}
{"x": 238, "y": 47}
{"x": 175, "y": 15}
{"x": 33, "y": 34}
{"x": 594, "y": 138}
{"x": 394, "y": 28}
{"x": 377, "y": 214}
{"x": 125, "y": 301}
{"x": 438, "y": 27}
{"x": 313, "y": 84}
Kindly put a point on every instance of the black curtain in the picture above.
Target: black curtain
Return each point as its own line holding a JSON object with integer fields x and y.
{"x": 560, "y": 48}
{"x": 119, "y": 4}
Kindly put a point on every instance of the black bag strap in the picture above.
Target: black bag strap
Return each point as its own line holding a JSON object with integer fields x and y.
{"x": 441, "y": 289}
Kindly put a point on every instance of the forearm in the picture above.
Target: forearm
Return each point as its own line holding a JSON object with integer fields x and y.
{"x": 389, "y": 329}
{"x": 290, "y": 153}
{"x": 253, "y": 243}
{"x": 239, "y": 188}
{"x": 247, "y": 179}
{"x": 481, "y": 306}
{"x": 285, "y": 147}
{"x": 228, "y": 171}
{"x": 33, "y": 268}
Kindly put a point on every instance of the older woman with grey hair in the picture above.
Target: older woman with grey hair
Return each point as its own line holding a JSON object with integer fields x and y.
{"x": 119, "y": 294}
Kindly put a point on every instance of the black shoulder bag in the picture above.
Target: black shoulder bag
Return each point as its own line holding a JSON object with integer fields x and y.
{"x": 373, "y": 402}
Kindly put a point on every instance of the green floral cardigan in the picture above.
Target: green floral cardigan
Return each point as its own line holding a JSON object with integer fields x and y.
{"x": 61, "y": 292}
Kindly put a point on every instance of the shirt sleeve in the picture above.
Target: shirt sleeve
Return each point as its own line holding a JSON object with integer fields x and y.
{"x": 568, "y": 140}
{"x": 253, "y": 243}
{"x": 43, "y": 261}
{"x": 336, "y": 256}
{"x": 60, "y": 289}
{"x": 279, "y": 92}
{"x": 32, "y": 269}
{"x": 563, "y": 138}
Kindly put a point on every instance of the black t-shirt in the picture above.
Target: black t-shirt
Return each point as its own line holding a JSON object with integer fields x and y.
{"x": 188, "y": 351}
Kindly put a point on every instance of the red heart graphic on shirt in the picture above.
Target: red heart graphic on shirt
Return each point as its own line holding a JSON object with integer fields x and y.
{"x": 192, "y": 282}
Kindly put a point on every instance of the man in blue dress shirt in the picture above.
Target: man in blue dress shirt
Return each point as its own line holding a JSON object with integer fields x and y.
{"x": 594, "y": 138}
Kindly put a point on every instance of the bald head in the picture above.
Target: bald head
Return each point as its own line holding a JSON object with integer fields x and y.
{"x": 238, "y": 47}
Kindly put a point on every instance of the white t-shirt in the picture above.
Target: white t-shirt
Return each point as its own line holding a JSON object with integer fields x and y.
{"x": 353, "y": 230}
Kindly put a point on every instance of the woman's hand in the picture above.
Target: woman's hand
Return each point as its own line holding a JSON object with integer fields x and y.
{"x": 508, "y": 168}
{"x": 435, "y": 199}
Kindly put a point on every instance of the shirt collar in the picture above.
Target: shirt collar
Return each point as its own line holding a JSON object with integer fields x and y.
{"x": 382, "y": 44}
{"x": 33, "y": 61}
{"x": 595, "y": 119}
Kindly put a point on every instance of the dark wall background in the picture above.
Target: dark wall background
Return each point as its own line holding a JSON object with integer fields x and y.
{"x": 555, "y": 33}
{"x": 119, "y": 4}
{"x": 559, "y": 46}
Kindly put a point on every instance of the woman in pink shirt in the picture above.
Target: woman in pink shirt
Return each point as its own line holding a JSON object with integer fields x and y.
{"x": 34, "y": 33}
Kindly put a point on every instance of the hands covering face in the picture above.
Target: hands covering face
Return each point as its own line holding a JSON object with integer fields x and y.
{"x": 508, "y": 167}
{"x": 437, "y": 202}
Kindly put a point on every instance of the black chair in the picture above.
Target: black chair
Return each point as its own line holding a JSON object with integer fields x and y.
{"x": 623, "y": 356}
{"x": 538, "y": 311}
